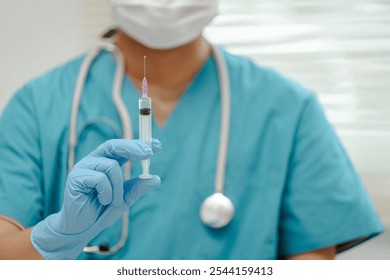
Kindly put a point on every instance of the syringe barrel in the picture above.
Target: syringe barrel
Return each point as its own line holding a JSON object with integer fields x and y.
{"x": 145, "y": 120}
{"x": 145, "y": 130}
{"x": 145, "y": 103}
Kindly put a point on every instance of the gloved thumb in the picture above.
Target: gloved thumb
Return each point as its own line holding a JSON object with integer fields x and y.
{"x": 137, "y": 187}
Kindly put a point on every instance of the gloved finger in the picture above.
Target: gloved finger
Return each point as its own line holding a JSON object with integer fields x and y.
{"x": 123, "y": 150}
{"x": 136, "y": 187}
{"x": 112, "y": 170}
{"x": 156, "y": 145}
{"x": 88, "y": 181}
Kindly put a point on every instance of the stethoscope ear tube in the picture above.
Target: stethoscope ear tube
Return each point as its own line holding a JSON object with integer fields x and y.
{"x": 78, "y": 91}
{"x": 225, "y": 120}
{"x": 126, "y": 127}
{"x": 217, "y": 210}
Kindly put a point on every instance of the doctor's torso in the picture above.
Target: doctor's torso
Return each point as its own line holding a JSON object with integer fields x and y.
{"x": 165, "y": 223}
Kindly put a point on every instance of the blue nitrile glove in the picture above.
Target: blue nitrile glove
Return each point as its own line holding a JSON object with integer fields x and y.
{"x": 95, "y": 197}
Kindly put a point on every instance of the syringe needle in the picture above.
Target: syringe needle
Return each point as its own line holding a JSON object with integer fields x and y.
{"x": 144, "y": 81}
{"x": 145, "y": 66}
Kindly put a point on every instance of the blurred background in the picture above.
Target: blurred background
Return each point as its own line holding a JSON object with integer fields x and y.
{"x": 339, "y": 48}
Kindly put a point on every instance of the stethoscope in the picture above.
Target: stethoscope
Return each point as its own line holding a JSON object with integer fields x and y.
{"x": 217, "y": 210}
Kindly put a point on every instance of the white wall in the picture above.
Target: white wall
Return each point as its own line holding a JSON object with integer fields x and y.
{"x": 36, "y": 35}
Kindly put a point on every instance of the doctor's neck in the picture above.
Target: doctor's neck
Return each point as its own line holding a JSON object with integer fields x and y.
{"x": 170, "y": 71}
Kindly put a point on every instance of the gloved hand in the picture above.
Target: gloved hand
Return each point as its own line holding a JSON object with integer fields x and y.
{"x": 95, "y": 197}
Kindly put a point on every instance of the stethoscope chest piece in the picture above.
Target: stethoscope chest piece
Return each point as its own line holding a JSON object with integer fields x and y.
{"x": 216, "y": 211}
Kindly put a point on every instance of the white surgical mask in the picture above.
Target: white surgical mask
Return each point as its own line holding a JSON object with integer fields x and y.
{"x": 163, "y": 24}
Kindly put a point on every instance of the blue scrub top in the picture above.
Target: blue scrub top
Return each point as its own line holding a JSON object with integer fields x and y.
{"x": 289, "y": 178}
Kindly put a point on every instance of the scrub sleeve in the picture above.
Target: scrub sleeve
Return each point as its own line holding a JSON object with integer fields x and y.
{"x": 20, "y": 161}
{"x": 324, "y": 201}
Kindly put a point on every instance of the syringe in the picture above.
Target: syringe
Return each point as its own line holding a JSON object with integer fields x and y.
{"x": 145, "y": 122}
